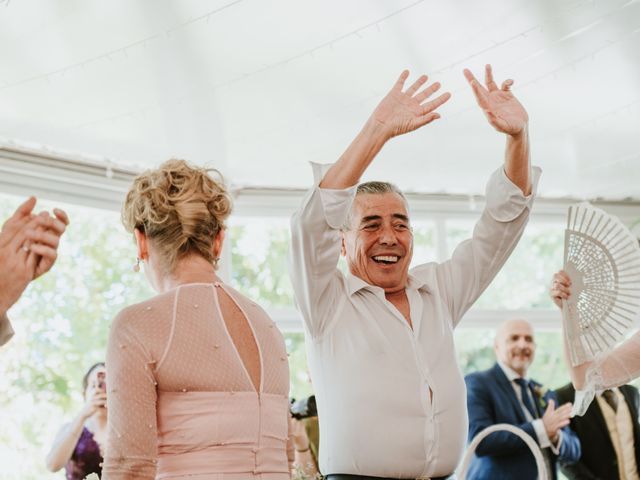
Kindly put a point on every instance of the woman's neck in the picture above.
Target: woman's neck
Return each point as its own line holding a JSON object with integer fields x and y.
{"x": 192, "y": 269}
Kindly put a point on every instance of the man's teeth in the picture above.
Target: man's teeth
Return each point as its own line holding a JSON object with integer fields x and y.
{"x": 386, "y": 258}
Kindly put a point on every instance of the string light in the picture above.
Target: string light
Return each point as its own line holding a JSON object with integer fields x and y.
{"x": 116, "y": 51}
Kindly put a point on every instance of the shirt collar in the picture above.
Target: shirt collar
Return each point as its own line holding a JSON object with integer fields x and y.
{"x": 509, "y": 372}
{"x": 355, "y": 284}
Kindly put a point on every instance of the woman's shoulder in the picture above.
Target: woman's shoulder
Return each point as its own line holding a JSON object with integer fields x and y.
{"x": 151, "y": 309}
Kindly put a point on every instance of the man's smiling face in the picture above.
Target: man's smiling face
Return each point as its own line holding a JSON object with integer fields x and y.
{"x": 515, "y": 345}
{"x": 379, "y": 243}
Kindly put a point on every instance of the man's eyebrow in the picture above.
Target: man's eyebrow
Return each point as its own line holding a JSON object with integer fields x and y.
{"x": 368, "y": 218}
{"x": 401, "y": 217}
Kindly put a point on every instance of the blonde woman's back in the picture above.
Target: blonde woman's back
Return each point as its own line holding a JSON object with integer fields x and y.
{"x": 198, "y": 384}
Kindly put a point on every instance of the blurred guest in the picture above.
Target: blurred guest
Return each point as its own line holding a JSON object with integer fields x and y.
{"x": 306, "y": 439}
{"x": 28, "y": 249}
{"x": 78, "y": 445}
{"x": 504, "y": 394}
{"x": 609, "y": 434}
{"x": 198, "y": 374}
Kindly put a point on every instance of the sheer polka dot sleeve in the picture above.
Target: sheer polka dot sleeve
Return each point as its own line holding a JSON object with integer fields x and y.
{"x": 131, "y": 402}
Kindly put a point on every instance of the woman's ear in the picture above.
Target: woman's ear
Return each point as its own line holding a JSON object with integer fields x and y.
{"x": 141, "y": 241}
{"x": 217, "y": 243}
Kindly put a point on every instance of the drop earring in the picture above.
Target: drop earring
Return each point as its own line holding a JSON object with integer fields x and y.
{"x": 136, "y": 266}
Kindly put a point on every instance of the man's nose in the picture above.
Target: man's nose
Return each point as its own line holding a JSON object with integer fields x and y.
{"x": 387, "y": 236}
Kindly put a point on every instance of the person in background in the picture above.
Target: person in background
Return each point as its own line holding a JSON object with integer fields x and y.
{"x": 609, "y": 434}
{"x": 504, "y": 394}
{"x": 304, "y": 432}
{"x": 79, "y": 444}
{"x": 28, "y": 249}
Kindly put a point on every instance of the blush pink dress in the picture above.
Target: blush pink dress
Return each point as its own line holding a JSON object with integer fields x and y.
{"x": 181, "y": 399}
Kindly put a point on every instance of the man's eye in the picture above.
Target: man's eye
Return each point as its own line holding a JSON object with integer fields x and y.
{"x": 401, "y": 226}
{"x": 371, "y": 226}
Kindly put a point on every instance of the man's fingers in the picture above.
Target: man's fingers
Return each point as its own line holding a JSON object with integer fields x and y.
{"x": 19, "y": 238}
{"x": 61, "y": 215}
{"x": 435, "y": 103}
{"x": 399, "y": 85}
{"x": 427, "y": 118}
{"x": 48, "y": 254}
{"x": 20, "y": 217}
{"x": 427, "y": 92}
{"x": 416, "y": 85}
{"x": 26, "y": 207}
{"x": 32, "y": 262}
{"x": 506, "y": 85}
{"x": 565, "y": 408}
{"x": 488, "y": 78}
{"x": 46, "y": 221}
{"x": 478, "y": 90}
{"x": 45, "y": 237}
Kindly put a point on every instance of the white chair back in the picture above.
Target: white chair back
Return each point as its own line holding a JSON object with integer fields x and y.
{"x": 531, "y": 443}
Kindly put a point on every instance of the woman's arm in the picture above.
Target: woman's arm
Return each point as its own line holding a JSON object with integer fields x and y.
{"x": 67, "y": 438}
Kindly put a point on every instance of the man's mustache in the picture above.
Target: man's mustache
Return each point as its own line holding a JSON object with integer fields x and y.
{"x": 523, "y": 351}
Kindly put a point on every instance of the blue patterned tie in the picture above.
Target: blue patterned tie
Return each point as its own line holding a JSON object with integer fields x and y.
{"x": 526, "y": 397}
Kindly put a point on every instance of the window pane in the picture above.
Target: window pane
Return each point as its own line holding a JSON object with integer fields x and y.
{"x": 300, "y": 382}
{"x": 259, "y": 249}
{"x": 424, "y": 242}
{"x": 523, "y": 281}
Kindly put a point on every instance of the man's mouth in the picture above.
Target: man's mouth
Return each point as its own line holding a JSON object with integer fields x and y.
{"x": 386, "y": 259}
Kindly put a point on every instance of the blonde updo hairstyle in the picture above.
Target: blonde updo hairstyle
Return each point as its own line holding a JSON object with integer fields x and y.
{"x": 180, "y": 208}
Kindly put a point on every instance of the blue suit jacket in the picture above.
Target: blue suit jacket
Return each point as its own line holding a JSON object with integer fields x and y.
{"x": 490, "y": 400}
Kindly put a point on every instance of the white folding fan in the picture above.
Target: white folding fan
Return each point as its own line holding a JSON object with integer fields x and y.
{"x": 602, "y": 258}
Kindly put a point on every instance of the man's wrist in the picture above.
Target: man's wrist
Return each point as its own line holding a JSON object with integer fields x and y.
{"x": 376, "y": 131}
{"x": 4, "y": 306}
{"x": 521, "y": 135}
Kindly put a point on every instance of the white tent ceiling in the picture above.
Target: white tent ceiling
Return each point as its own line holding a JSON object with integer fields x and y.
{"x": 257, "y": 88}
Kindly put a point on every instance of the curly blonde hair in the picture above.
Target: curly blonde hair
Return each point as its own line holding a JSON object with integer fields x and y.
{"x": 180, "y": 208}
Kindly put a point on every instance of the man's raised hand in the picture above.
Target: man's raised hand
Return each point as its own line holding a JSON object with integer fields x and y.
{"x": 401, "y": 111}
{"x": 503, "y": 110}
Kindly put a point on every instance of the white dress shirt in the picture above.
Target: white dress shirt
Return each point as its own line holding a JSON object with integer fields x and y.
{"x": 372, "y": 373}
{"x": 6, "y": 331}
{"x": 538, "y": 425}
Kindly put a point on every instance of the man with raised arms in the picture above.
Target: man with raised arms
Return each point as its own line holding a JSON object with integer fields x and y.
{"x": 390, "y": 395}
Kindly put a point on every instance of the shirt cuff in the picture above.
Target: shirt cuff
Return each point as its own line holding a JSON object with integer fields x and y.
{"x": 582, "y": 400}
{"x": 336, "y": 204}
{"x": 6, "y": 331}
{"x": 505, "y": 201}
{"x": 541, "y": 433}
{"x": 556, "y": 448}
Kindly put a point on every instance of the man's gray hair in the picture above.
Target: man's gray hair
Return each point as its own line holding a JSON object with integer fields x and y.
{"x": 379, "y": 188}
{"x": 374, "y": 188}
